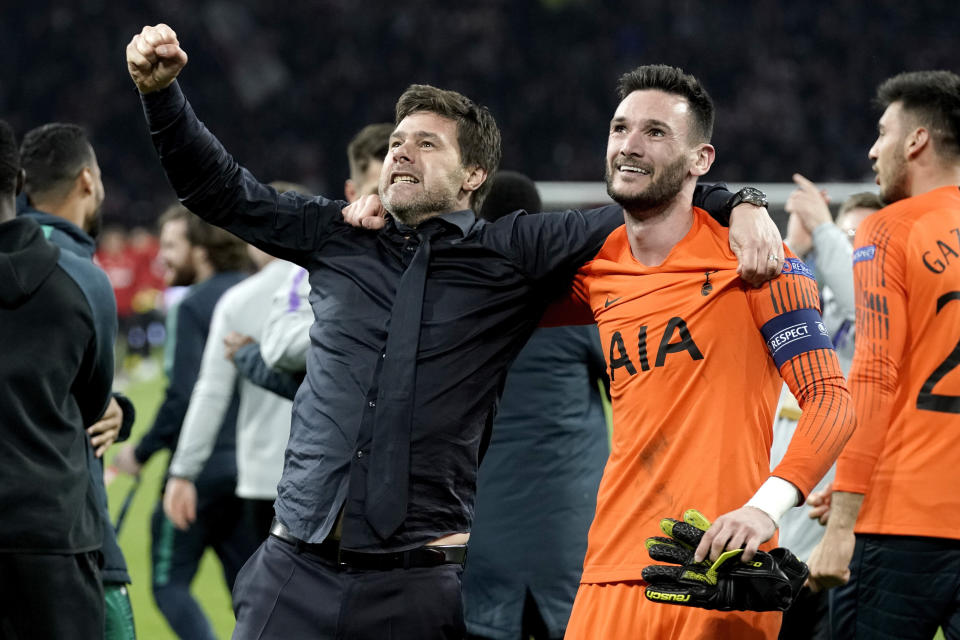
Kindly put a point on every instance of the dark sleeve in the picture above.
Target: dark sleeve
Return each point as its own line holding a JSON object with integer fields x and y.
{"x": 557, "y": 243}
{"x": 210, "y": 183}
{"x": 715, "y": 199}
{"x": 129, "y": 415}
{"x": 560, "y": 242}
{"x": 596, "y": 364}
{"x": 91, "y": 388}
{"x": 251, "y": 366}
{"x": 191, "y": 337}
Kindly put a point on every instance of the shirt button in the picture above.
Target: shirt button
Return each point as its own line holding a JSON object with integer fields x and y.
{"x": 371, "y": 404}
{"x": 383, "y": 355}
{"x": 359, "y": 453}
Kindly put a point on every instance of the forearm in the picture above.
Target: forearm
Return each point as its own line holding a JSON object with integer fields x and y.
{"x": 252, "y": 367}
{"x": 286, "y": 339}
{"x": 166, "y": 426}
{"x": 835, "y": 265}
{"x": 844, "y": 509}
{"x": 213, "y": 185}
{"x": 873, "y": 401}
{"x": 129, "y": 416}
{"x": 715, "y": 199}
{"x": 826, "y": 422}
{"x": 200, "y": 428}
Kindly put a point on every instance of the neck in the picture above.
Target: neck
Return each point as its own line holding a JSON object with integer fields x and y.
{"x": 8, "y": 210}
{"x": 933, "y": 177}
{"x": 652, "y": 233}
{"x": 69, "y": 209}
{"x": 204, "y": 272}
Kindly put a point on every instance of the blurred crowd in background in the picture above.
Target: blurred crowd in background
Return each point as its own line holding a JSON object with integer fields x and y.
{"x": 284, "y": 85}
{"x": 131, "y": 262}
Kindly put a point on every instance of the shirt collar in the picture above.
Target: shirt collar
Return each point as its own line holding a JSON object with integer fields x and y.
{"x": 462, "y": 220}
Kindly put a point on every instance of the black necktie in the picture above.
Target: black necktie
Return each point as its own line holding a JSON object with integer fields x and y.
{"x": 389, "y": 471}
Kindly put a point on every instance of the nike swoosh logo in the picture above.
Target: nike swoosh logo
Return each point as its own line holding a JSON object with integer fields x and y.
{"x": 608, "y": 301}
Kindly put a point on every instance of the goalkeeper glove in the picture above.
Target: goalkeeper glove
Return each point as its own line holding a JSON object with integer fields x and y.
{"x": 769, "y": 582}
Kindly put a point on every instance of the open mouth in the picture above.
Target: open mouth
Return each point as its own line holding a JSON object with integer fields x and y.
{"x": 629, "y": 168}
{"x": 402, "y": 177}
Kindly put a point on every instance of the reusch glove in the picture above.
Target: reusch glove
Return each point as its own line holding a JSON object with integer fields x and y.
{"x": 769, "y": 582}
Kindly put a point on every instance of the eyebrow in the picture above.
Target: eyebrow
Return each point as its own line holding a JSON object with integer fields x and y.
{"x": 650, "y": 122}
{"x": 415, "y": 134}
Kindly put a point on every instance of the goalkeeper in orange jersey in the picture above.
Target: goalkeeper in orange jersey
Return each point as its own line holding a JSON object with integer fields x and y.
{"x": 695, "y": 359}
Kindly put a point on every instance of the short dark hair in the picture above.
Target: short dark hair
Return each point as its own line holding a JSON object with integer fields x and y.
{"x": 225, "y": 251}
{"x": 862, "y": 200}
{"x": 53, "y": 155}
{"x": 510, "y": 191}
{"x": 673, "y": 80}
{"x": 9, "y": 160}
{"x": 371, "y": 143}
{"x": 477, "y": 131}
{"x": 933, "y": 98}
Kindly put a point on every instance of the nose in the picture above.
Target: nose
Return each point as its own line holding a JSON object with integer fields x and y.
{"x": 401, "y": 152}
{"x": 873, "y": 153}
{"x": 632, "y": 144}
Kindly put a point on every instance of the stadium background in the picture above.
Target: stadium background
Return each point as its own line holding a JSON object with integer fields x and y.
{"x": 285, "y": 85}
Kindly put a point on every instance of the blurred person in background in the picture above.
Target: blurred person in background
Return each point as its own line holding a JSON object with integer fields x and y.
{"x": 209, "y": 261}
{"x": 263, "y": 418}
{"x": 64, "y": 193}
{"x": 827, "y": 248}
{"x": 57, "y": 327}
{"x": 893, "y": 535}
{"x": 539, "y": 474}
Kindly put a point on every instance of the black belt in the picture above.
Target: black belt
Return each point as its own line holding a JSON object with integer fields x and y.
{"x": 329, "y": 550}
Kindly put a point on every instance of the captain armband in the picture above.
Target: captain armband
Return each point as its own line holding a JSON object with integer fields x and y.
{"x": 795, "y": 332}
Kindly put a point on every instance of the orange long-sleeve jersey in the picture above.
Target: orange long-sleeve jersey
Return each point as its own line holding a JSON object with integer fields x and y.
{"x": 904, "y": 381}
{"x": 693, "y": 356}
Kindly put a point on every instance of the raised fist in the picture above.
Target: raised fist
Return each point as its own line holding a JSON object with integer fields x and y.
{"x": 154, "y": 58}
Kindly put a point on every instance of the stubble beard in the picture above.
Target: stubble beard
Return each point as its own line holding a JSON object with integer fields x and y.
{"x": 662, "y": 189}
{"x": 895, "y": 187}
{"x": 423, "y": 206}
{"x": 183, "y": 275}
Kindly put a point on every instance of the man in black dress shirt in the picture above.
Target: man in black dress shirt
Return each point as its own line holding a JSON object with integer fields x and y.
{"x": 415, "y": 328}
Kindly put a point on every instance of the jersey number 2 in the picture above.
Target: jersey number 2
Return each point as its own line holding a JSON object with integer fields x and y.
{"x": 926, "y": 399}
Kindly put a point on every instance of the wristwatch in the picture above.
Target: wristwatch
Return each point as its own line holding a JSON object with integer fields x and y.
{"x": 750, "y": 195}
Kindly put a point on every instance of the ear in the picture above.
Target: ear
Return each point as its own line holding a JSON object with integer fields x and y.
{"x": 86, "y": 181}
{"x": 21, "y": 180}
{"x": 474, "y": 179}
{"x": 350, "y": 190}
{"x": 915, "y": 142}
{"x": 704, "y": 155}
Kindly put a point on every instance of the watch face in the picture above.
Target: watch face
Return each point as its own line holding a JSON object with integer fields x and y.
{"x": 753, "y": 196}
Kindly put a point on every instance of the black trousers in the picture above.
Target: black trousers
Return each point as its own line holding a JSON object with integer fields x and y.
{"x": 808, "y": 618}
{"x": 901, "y": 588}
{"x": 282, "y": 593}
{"x": 48, "y": 596}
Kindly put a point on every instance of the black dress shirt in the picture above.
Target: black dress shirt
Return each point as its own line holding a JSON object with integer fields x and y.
{"x": 487, "y": 286}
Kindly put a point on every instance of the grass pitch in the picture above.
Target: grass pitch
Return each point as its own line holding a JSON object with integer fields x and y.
{"x": 208, "y": 587}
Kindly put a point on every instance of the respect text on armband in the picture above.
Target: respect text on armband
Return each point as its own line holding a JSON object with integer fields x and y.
{"x": 790, "y": 334}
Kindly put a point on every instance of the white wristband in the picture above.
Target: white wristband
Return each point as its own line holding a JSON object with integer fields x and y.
{"x": 775, "y": 497}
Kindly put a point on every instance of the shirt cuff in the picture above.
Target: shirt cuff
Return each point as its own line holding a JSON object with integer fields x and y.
{"x": 163, "y": 106}
{"x": 775, "y": 497}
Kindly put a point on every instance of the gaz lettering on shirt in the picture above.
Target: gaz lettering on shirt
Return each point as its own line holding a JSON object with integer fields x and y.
{"x": 905, "y": 380}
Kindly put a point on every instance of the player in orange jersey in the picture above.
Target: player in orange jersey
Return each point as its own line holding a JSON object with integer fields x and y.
{"x": 897, "y": 478}
{"x": 695, "y": 359}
